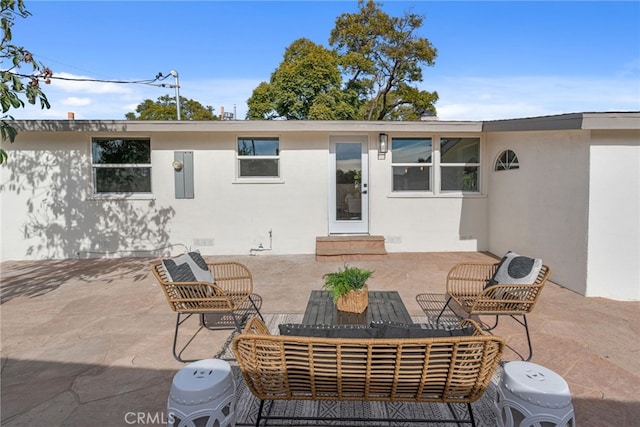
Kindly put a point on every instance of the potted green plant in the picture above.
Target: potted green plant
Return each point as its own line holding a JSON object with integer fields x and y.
{"x": 349, "y": 289}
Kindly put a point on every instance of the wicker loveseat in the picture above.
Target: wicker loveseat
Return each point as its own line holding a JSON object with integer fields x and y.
{"x": 444, "y": 370}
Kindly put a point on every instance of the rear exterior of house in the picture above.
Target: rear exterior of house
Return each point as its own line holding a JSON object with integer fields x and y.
{"x": 563, "y": 188}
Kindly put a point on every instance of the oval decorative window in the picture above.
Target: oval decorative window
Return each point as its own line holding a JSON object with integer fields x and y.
{"x": 507, "y": 160}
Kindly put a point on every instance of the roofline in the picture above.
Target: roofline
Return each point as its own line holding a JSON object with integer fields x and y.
{"x": 239, "y": 126}
{"x": 573, "y": 121}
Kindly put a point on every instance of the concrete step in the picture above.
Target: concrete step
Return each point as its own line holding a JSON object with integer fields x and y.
{"x": 350, "y": 248}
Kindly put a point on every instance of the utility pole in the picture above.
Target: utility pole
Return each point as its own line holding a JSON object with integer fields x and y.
{"x": 174, "y": 73}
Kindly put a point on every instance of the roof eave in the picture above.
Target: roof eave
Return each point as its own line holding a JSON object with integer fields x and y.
{"x": 239, "y": 126}
{"x": 573, "y": 121}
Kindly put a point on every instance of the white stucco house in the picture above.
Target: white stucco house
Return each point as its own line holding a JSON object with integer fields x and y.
{"x": 563, "y": 188}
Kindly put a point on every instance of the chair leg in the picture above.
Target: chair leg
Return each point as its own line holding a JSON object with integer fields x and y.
{"x": 260, "y": 414}
{"x": 473, "y": 421}
{"x": 458, "y": 421}
{"x": 256, "y": 307}
{"x": 175, "y": 339}
{"x": 442, "y": 311}
{"x": 495, "y": 325}
{"x": 524, "y": 323}
{"x": 237, "y": 322}
{"x": 526, "y": 328}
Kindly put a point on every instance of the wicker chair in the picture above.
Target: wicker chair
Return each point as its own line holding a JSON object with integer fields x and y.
{"x": 225, "y": 304}
{"x": 467, "y": 286}
{"x": 450, "y": 370}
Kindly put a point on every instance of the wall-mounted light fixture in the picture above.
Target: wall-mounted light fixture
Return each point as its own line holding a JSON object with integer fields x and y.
{"x": 383, "y": 143}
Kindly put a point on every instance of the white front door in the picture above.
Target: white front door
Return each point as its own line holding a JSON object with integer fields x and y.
{"x": 349, "y": 185}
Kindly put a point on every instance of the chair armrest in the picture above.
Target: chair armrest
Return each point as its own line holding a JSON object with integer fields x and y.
{"x": 197, "y": 289}
{"x": 255, "y": 326}
{"x": 199, "y": 297}
{"x": 232, "y": 277}
{"x": 477, "y": 330}
{"x": 507, "y": 299}
{"x": 469, "y": 278}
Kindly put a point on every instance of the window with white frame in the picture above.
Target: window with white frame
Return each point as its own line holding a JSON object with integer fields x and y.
{"x": 460, "y": 164}
{"x": 121, "y": 165}
{"x": 411, "y": 161}
{"x": 258, "y": 157}
{"x": 507, "y": 160}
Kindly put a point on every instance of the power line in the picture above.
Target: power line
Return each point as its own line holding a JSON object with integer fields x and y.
{"x": 149, "y": 82}
{"x": 159, "y": 76}
{"x": 46, "y": 60}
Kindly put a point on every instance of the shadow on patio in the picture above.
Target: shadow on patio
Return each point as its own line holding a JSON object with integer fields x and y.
{"x": 89, "y": 341}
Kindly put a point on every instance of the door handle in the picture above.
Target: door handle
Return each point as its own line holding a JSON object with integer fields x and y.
{"x": 364, "y": 191}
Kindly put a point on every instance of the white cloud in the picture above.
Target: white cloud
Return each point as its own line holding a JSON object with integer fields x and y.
{"x": 89, "y": 99}
{"x": 221, "y": 93}
{"x": 469, "y": 98}
{"x": 461, "y": 98}
{"x": 78, "y": 85}
{"x": 111, "y": 101}
{"x": 74, "y": 101}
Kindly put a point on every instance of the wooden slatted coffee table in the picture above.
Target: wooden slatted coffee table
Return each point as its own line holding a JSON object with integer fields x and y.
{"x": 383, "y": 306}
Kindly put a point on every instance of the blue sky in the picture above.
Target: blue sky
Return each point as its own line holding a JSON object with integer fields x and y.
{"x": 496, "y": 60}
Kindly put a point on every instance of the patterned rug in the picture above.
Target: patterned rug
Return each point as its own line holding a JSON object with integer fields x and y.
{"x": 247, "y": 404}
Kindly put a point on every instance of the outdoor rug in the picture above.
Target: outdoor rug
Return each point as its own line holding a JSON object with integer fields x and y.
{"x": 247, "y": 404}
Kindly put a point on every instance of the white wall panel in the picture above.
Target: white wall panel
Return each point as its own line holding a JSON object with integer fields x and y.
{"x": 614, "y": 217}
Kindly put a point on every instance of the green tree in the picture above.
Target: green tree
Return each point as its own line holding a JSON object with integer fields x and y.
{"x": 382, "y": 57}
{"x": 370, "y": 74}
{"x": 14, "y": 82}
{"x": 261, "y": 104}
{"x": 165, "y": 109}
{"x": 306, "y": 85}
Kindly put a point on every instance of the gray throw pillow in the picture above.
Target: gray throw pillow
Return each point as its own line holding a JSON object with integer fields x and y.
{"x": 327, "y": 331}
{"x": 515, "y": 269}
{"x": 189, "y": 267}
{"x": 418, "y": 330}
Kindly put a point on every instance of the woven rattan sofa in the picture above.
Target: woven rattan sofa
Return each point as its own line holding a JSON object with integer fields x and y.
{"x": 450, "y": 370}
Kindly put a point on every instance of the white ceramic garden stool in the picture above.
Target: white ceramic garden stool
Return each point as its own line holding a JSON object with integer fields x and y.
{"x": 203, "y": 393}
{"x": 531, "y": 395}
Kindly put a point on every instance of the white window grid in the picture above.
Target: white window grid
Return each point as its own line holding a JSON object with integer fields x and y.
{"x": 240, "y": 157}
{"x": 510, "y": 161}
{"x": 95, "y": 166}
{"x": 414, "y": 165}
{"x": 436, "y": 167}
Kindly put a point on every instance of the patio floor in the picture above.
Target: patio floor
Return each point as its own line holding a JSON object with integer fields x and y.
{"x": 88, "y": 342}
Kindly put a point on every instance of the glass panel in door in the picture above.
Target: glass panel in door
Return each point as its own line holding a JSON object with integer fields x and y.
{"x": 348, "y": 182}
{"x": 349, "y": 185}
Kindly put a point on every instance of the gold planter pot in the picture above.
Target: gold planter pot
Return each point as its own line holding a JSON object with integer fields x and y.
{"x": 354, "y": 301}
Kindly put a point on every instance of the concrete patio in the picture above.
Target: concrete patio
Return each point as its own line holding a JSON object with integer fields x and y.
{"x": 88, "y": 342}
